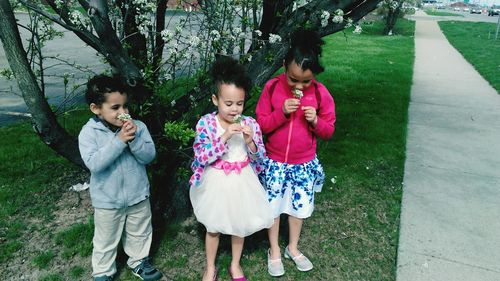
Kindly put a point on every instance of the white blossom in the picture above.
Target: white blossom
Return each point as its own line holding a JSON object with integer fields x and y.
{"x": 215, "y": 35}
{"x": 194, "y": 41}
{"x": 357, "y": 29}
{"x": 324, "y": 18}
{"x": 339, "y": 16}
{"x": 258, "y": 32}
{"x": 337, "y": 19}
{"x": 393, "y": 5}
{"x": 166, "y": 35}
{"x": 59, "y": 3}
{"x": 77, "y": 18}
{"x": 249, "y": 58}
{"x": 172, "y": 103}
{"x": 178, "y": 29}
{"x": 349, "y": 23}
{"x": 274, "y": 38}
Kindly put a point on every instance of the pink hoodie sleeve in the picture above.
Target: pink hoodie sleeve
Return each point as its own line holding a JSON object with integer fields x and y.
{"x": 269, "y": 118}
{"x": 326, "y": 117}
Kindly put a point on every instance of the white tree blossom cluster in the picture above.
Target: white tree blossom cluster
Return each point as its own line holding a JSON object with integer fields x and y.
{"x": 324, "y": 18}
{"x": 357, "y": 29}
{"x": 274, "y": 38}
{"x": 390, "y": 4}
{"x": 338, "y": 17}
{"x": 145, "y": 15}
{"x": 78, "y": 19}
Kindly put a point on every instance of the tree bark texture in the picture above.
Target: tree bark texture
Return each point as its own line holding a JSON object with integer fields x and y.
{"x": 44, "y": 120}
{"x": 390, "y": 21}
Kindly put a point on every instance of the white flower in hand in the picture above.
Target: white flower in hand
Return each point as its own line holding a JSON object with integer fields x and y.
{"x": 124, "y": 116}
{"x": 237, "y": 119}
{"x": 297, "y": 93}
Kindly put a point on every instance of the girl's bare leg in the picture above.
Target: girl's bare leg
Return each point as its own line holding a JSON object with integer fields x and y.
{"x": 273, "y": 234}
{"x": 236, "y": 249}
{"x": 211, "y": 245}
{"x": 295, "y": 225}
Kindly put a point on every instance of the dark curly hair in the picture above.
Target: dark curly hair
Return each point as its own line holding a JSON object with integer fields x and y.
{"x": 226, "y": 70}
{"x": 305, "y": 50}
{"x": 100, "y": 85}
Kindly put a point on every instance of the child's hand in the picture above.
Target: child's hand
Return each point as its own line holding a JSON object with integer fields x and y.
{"x": 310, "y": 115}
{"x": 127, "y": 133}
{"x": 290, "y": 105}
{"x": 230, "y": 131}
{"x": 247, "y": 134}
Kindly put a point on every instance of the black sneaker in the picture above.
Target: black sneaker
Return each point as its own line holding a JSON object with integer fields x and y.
{"x": 146, "y": 271}
{"x": 103, "y": 278}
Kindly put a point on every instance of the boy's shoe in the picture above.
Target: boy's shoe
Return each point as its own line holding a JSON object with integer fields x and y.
{"x": 146, "y": 271}
{"x": 301, "y": 261}
{"x": 275, "y": 267}
{"x": 103, "y": 278}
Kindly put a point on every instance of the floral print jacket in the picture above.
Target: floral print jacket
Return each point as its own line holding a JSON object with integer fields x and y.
{"x": 208, "y": 147}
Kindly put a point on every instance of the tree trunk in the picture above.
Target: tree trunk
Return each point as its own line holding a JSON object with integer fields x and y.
{"x": 134, "y": 40}
{"x": 44, "y": 120}
{"x": 390, "y": 22}
{"x": 159, "y": 44}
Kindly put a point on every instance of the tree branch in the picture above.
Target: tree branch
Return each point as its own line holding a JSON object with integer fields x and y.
{"x": 85, "y": 35}
{"x": 44, "y": 121}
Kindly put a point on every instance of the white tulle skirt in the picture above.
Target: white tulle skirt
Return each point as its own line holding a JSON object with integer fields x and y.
{"x": 233, "y": 204}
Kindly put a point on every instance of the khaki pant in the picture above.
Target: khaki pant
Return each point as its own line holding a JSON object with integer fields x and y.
{"x": 132, "y": 225}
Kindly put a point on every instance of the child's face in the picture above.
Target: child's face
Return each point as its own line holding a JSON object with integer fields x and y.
{"x": 229, "y": 102}
{"x": 298, "y": 78}
{"x": 115, "y": 104}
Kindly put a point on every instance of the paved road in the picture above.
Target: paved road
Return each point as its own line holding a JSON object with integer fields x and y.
{"x": 450, "y": 226}
{"x": 70, "y": 49}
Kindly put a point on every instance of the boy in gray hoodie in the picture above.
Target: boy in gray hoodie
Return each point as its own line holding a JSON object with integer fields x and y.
{"x": 116, "y": 149}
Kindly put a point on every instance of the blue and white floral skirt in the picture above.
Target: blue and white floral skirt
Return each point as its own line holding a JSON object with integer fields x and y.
{"x": 290, "y": 188}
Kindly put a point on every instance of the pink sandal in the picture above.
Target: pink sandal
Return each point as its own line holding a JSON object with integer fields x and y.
{"x": 243, "y": 278}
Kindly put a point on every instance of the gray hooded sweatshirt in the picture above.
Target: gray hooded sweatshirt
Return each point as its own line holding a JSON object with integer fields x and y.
{"x": 118, "y": 176}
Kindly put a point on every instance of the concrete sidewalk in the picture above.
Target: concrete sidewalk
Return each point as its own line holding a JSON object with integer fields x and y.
{"x": 450, "y": 218}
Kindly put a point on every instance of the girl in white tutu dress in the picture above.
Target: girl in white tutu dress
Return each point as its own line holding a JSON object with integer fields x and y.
{"x": 225, "y": 192}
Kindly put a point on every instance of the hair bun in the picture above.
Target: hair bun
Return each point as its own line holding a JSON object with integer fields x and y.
{"x": 307, "y": 39}
{"x": 225, "y": 68}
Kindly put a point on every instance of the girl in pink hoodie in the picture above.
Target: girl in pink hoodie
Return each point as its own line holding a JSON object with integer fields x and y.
{"x": 292, "y": 111}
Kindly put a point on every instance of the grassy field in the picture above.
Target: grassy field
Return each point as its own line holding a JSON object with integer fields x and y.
{"x": 441, "y": 14}
{"x": 476, "y": 42}
{"x": 351, "y": 236}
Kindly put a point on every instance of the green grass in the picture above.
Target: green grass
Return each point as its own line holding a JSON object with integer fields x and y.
{"x": 476, "y": 42}
{"x": 43, "y": 259}
{"x": 441, "y": 14}
{"x": 76, "y": 272}
{"x": 76, "y": 240}
{"x": 353, "y": 233}
{"x": 32, "y": 178}
{"x": 52, "y": 277}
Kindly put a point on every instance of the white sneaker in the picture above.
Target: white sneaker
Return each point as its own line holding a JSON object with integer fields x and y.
{"x": 275, "y": 267}
{"x": 301, "y": 261}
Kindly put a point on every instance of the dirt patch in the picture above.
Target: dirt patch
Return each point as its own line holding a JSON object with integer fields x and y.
{"x": 72, "y": 207}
